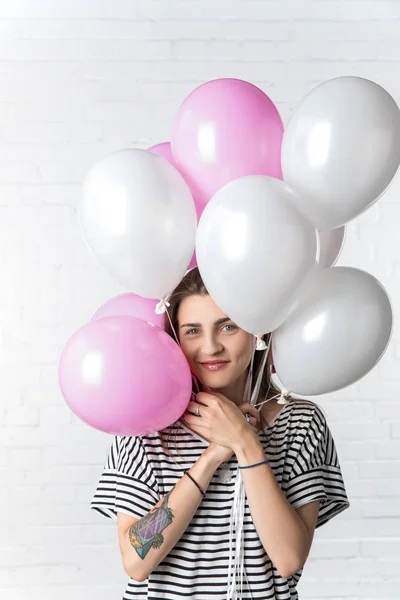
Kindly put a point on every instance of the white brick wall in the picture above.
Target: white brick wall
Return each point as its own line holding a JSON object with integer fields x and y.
{"x": 78, "y": 80}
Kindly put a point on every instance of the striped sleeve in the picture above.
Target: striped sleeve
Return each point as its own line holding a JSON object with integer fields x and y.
{"x": 316, "y": 473}
{"x": 127, "y": 483}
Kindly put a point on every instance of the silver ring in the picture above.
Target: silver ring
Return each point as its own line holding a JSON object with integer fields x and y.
{"x": 248, "y": 417}
{"x": 197, "y": 411}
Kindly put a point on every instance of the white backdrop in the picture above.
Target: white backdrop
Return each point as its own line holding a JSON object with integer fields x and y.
{"x": 78, "y": 80}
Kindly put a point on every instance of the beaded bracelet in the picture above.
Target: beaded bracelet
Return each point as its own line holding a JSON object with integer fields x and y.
{"x": 195, "y": 483}
{"x": 255, "y": 465}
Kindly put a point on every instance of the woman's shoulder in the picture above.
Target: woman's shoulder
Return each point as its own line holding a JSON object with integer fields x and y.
{"x": 307, "y": 421}
{"x": 299, "y": 415}
{"x": 307, "y": 408}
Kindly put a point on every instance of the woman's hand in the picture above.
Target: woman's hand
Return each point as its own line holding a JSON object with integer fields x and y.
{"x": 221, "y": 421}
{"x": 222, "y": 454}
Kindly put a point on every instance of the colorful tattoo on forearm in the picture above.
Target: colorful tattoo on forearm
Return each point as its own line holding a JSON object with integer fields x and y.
{"x": 147, "y": 532}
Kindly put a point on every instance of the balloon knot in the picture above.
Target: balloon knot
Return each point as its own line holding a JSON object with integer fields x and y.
{"x": 161, "y": 307}
{"x": 260, "y": 345}
{"x": 283, "y": 398}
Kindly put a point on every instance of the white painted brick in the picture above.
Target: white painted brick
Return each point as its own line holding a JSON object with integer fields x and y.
{"x": 58, "y": 494}
{"x": 21, "y": 457}
{"x": 25, "y": 495}
{"x": 333, "y": 549}
{"x": 32, "y": 132}
{"x": 356, "y": 451}
{"x": 343, "y": 411}
{"x": 365, "y": 488}
{"x": 378, "y": 469}
{"x": 22, "y": 415}
{"x": 355, "y": 567}
{"x": 366, "y": 528}
{"x": 357, "y": 589}
{"x": 371, "y": 31}
{"x": 387, "y": 449}
{"x": 18, "y": 173}
{"x": 387, "y": 408}
{"x": 9, "y": 194}
{"x": 29, "y": 50}
{"x": 99, "y": 29}
{"x": 349, "y": 469}
{"x": 382, "y": 507}
{"x": 360, "y": 431}
{"x": 74, "y": 475}
{"x": 380, "y": 548}
{"x": 44, "y": 575}
{"x": 55, "y": 415}
{"x": 395, "y": 429}
{"x": 14, "y": 557}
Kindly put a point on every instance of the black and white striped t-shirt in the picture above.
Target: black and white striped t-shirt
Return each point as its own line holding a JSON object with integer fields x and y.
{"x": 138, "y": 473}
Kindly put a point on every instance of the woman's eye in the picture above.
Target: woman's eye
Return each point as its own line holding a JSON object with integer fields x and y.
{"x": 190, "y": 331}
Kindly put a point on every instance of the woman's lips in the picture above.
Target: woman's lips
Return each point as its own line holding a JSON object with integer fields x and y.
{"x": 214, "y": 366}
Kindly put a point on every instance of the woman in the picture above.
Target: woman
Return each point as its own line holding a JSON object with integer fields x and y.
{"x": 175, "y": 517}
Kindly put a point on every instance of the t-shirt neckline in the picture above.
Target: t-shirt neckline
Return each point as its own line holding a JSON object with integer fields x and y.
{"x": 270, "y": 423}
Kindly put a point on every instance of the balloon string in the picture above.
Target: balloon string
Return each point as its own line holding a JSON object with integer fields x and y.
{"x": 282, "y": 395}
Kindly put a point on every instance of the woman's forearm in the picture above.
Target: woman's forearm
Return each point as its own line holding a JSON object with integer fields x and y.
{"x": 153, "y": 536}
{"x": 281, "y": 530}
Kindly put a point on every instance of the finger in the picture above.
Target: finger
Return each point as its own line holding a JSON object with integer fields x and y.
{"x": 248, "y": 408}
{"x": 193, "y": 420}
{"x": 252, "y": 420}
{"x": 192, "y": 408}
{"x": 255, "y": 412}
{"x": 201, "y": 398}
{"x": 204, "y": 398}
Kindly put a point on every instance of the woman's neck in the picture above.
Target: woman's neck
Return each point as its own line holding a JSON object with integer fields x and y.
{"x": 234, "y": 391}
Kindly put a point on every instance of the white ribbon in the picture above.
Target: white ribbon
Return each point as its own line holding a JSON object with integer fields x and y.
{"x": 238, "y": 505}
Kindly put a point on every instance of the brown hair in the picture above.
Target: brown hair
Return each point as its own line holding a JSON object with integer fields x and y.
{"x": 192, "y": 284}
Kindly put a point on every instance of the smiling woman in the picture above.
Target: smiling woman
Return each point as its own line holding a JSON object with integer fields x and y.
{"x": 218, "y": 363}
{"x": 176, "y": 531}
{"x": 218, "y": 351}
{"x": 208, "y": 335}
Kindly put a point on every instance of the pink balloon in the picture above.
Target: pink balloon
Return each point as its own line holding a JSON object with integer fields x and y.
{"x": 131, "y": 305}
{"x": 164, "y": 149}
{"x": 225, "y": 129}
{"x": 124, "y": 376}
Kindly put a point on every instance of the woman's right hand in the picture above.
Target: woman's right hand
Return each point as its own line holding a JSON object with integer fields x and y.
{"x": 222, "y": 453}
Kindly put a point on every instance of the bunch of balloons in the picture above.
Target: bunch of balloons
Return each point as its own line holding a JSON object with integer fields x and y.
{"x": 262, "y": 211}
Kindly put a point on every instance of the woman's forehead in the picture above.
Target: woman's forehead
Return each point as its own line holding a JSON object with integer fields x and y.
{"x": 199, "y": 309}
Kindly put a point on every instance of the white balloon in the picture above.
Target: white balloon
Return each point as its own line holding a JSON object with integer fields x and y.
{"x": 138, "y": 217}
{"x": 336, "y": 333}
{"x": 341, "y": 149}
{"x": 254, "y": 249}
{"x": 331, "y": 244}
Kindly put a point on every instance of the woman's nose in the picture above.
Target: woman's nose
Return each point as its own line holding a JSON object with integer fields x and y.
{"x": 211, "y": 345}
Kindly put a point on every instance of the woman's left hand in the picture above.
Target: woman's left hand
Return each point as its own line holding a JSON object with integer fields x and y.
{"x": 220, "y": 420}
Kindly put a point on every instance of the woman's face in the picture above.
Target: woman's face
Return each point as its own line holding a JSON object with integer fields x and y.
{"x": 207, "y": 335}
